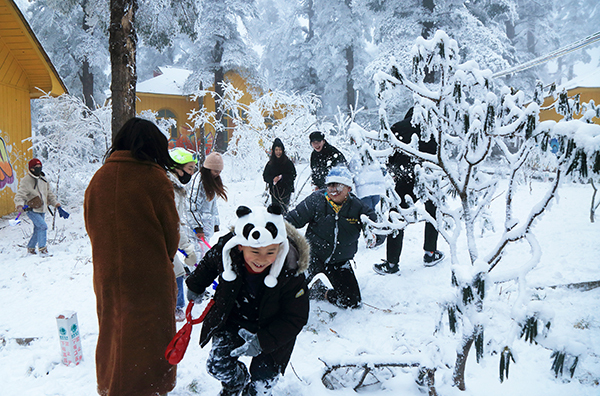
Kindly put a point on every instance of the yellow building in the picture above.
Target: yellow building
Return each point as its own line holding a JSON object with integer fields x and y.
{"x": 24, "y": 67}
{"x": 164, "y": 94}
{"x": 588, "y": 88}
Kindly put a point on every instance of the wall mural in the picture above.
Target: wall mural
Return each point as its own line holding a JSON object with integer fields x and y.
{"x": 7, "y": 174}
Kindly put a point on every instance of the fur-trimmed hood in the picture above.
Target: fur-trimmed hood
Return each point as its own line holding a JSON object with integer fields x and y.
{"x": 301, "y": 245}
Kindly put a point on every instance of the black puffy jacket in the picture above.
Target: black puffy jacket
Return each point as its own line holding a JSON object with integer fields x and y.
{"x": 283, "y": 309}
{"x": 322, "y": 161}
{"x": 402, "y": 166}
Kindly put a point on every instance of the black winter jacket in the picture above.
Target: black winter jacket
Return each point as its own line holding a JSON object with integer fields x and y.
{"x": 284, "y": 167}
{"x": 322, "y": 161}
{"x": 283, "y": 309}
{"x": 402, "y": 166}
{"x": 333, "y": 237}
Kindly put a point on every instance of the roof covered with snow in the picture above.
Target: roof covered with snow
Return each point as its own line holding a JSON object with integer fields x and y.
{"x": 170, "y": 82}
{"x": 588, "y": 80}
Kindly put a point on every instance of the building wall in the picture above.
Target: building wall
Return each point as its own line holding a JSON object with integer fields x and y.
{"x": 586, "y": 94}
{"x": 180, "y": 106}
{"x": 15, "y": 126}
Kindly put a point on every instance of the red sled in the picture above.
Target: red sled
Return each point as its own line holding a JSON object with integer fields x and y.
{"x": 178, "y": 345}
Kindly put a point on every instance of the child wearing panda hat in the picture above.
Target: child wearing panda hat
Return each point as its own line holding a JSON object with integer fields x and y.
{"x": 261, "y": 301}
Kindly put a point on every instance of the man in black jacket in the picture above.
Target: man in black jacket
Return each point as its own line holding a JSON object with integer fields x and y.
{"x": 323, "y": 158}
{"x": 402, "y": 168}
{"x": 334, "y": 226}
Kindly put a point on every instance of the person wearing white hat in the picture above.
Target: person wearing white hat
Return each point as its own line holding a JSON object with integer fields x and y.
{"x": 261, "y": 301}
{"x": 334, "y": 223}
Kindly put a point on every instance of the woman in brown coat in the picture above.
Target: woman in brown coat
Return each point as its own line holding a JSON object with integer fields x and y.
{"x": 132, "y": 222}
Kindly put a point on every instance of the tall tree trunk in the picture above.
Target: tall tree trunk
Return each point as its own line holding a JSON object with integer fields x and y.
{"x": 122, "y": 48}
{"x": 350, "y": 93}
{"x": 87, "y": 83}
{"x": 425, "y": 33}
{"x": 220, "y": 141}
{"x": 510, "y": 30}
{"x": 312, "y": 73}
{"x": 86, "y": 77}
{"x": 531, "y": 42}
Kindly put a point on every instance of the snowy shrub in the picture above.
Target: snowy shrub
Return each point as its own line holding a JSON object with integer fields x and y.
{"x": 288, "y": 116}
{"x": 71, "y": 140}
{"x": 469, "y": 119}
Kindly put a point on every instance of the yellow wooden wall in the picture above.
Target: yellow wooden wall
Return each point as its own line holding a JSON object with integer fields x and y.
{"x": 15, "y": 125}
{"x": 586, "y": 94}
{"x": 179, "y": 105}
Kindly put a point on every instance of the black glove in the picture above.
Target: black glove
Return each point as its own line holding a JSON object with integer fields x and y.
{"x": 216, "y": 228}
{"x": 250, "y": 348}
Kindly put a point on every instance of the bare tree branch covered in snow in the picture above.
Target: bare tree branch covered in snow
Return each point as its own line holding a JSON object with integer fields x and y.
{"x": 473, "y": 125}
{"x": 288, "y": 116}
{"x": 72, "y": 141}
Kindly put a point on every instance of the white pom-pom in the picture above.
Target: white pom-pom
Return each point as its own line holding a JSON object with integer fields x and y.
{"x": 270, "y": 281}
{"x": 229, "y": 275}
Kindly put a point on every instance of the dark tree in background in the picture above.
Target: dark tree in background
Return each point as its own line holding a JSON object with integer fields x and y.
{"x": 122, "y": 47}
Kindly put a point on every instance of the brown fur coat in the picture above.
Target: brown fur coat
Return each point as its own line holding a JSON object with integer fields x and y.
{"x": 132, "y": 222}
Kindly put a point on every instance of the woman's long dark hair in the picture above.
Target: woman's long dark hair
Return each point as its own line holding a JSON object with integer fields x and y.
{"x": 212, "y": 185}
{"x": 145, "y": 142}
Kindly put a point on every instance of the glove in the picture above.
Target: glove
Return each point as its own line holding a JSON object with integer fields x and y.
{"x": 216, "y": 228}
{"x": 250, "y": 348}
{"x": 190, "y": 255}
{"x": 195, "y": 297}
{"x": 62, "y": 213}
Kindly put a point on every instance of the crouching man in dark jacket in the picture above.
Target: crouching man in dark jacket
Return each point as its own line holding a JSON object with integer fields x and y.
{"x": 261, "y": 301}
{"x": 334, "y": 226}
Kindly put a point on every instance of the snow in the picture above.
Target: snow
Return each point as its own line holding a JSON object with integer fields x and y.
{"x": 398, "y": 323}
{"x": 170, "y": 82}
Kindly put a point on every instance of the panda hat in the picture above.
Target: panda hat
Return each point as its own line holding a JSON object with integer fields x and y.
{"x": 258, "y": 228}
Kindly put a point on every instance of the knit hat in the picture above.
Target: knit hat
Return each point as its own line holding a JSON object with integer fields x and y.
{"x": 258, "y": 228}
{"x": 316, "y": 136}
{"x": 34, "y": 162}
{"x": 339, "y": 174}
{"x": 214, "y": 161}
{"x": 277, "y": 143}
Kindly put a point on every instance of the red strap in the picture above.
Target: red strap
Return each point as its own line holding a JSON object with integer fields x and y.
{"x": 178, "y": 345}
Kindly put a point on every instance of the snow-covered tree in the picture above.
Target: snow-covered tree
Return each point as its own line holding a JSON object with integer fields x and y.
{"x": 286, "y": 54}
{"x": 473, "y": 123}
{"x": 398, "y": 22}
{"x": 220, "y": 47}
{"x": 74, "y": 34}
{"x": 72, "y": 140}
{"x": 288, "y": 116}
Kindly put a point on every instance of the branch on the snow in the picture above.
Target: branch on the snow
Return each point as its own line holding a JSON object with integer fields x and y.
{"x": 361, "y": 375}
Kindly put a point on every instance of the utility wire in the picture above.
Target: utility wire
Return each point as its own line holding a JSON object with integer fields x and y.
{"x": 552, "y": 55}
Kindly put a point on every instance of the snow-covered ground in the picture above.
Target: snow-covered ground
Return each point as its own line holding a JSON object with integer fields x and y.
{"x": 397, "y": 322}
